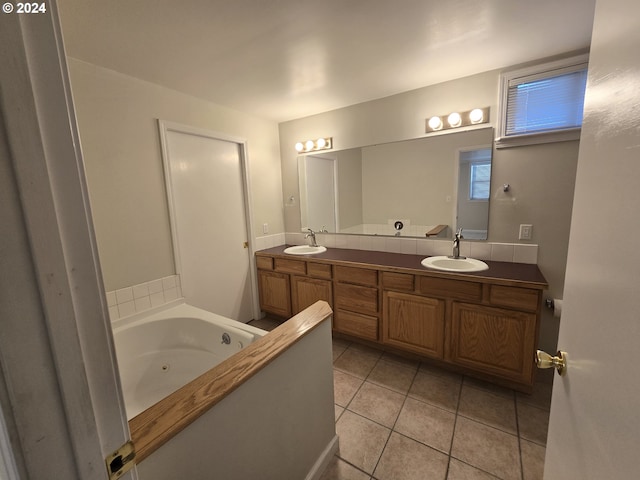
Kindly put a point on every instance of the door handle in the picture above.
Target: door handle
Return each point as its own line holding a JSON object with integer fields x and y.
{"x": 559, "y": 362}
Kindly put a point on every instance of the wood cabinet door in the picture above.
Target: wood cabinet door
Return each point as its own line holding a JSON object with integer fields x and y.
{"x": 414, "y": 323}
{"x": 275, "y": 293}
{"x": 494, "y": 340}
{"x": 307, "y": 291}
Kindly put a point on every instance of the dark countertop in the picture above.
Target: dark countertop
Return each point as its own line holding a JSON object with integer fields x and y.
{"x": 499, "y": 272}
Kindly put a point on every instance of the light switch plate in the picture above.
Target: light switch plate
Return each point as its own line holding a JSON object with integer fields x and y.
{"x": 525, "y": 232}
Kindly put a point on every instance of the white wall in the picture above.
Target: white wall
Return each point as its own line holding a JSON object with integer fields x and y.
{"x": 117, "y": 117}
{"x": 542, "y": 177}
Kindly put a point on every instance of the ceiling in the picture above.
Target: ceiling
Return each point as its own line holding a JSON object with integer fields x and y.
{"x": 287, "y": 59}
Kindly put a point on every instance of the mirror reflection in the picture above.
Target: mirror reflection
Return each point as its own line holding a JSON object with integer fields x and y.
{"x": 429, "y": 186}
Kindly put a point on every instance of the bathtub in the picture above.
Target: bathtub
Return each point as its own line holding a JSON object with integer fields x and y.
{"x": 163, "y": 349}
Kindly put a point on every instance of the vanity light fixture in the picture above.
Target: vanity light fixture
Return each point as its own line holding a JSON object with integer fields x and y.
{"x": 476, "y": 116}
{"x": 323, "y": 143}
{"x": 435, "y": 123}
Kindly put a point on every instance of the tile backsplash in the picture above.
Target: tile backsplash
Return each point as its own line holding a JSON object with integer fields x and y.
{"x": 137, "y": 298}
{"x": 500, "y": 252}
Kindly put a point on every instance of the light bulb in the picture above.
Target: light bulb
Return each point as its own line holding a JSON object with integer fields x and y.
{"x": 309, "y": 145}
{"x": 435, "y": 123}
{"x": 454, "y": 119}
{"x": 321, "y": 143}
{"x": 299, "y": 146}
{"x": 476, "y": 115}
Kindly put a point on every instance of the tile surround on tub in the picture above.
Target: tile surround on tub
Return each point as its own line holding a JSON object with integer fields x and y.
{"x": 138, "y": 298}
{"x": 498, "y": 252}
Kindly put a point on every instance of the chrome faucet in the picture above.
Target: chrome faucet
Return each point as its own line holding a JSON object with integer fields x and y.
{"x": 312, "y": 234}
{"x": 456, "y": 244}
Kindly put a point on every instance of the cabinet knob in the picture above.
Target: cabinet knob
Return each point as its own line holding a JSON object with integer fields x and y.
{"x": 559, "y": 362}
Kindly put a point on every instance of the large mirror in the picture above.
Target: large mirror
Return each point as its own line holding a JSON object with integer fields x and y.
{"x": 428, "y": 186}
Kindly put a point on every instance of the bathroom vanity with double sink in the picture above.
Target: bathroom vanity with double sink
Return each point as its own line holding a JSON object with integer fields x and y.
{"x": 484, "y": 323}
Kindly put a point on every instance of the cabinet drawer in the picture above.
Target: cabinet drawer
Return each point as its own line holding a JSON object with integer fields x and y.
{"x": 398, "y": 281}
{"x": 289, "y": 266}
{"x": 356, "y": 324}
{"x": 356, "y": 298}
{"x": 264, "y": 263}
{"x": 516, "y": 297}
{"x": 361, "y": 276}
{"x": 319, "y": 270}
{"x": 456, "y": 289}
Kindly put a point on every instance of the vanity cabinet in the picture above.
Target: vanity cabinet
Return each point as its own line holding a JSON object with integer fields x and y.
{"x": 495, "y": 341}
{"x": 275, "y": 293}
{"x": 414, "y": 323}
{"x": 288, "y": 286}
{"x": 306, "y": 291}
{"x": 482, "y": 325}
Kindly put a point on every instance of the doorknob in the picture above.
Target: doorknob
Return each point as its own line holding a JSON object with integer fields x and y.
{"x": 559, "y": 362}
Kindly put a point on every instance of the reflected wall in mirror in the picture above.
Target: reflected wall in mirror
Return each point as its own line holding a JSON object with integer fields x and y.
{"x": 431, "y": 185}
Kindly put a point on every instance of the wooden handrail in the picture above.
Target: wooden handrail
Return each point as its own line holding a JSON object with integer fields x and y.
{"x": 156, "y": 425}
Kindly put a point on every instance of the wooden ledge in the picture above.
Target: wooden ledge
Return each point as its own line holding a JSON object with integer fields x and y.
{"x": 159, "y": 423}
{"x": 435, "y": 230}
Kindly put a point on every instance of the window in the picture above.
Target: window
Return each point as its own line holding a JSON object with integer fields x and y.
{"x": 480, "y": 182}
{"x": 542, "y": 104}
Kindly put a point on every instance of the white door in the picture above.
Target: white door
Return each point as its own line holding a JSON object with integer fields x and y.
{"x": 209, "y": 222}
{"x": 594, "y": 430}
{"x": 320, "y": 186}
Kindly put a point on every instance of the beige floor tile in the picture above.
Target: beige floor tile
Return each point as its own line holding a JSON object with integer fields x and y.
{"x": 265, "y": 323}
{"x": 427, "y": 424}
{"x": 541, "y": 396}
{"x": 357, "y": 361}
{"x": 533, "y": 423}
{"x": 339, "y": 346}
{"x": 392, "y": 375}
{"x": 487, "y": 448}
{"x": 489, "y": 387}
{"x": 377, "y": 403}
{"x": 442, "y": 392}
{"x": 426, "y": 367}
{"x": 486, "y": 407}
{"x": 532, "y": 460}
{"x": 345, "y": 387}
{"x": 401, "y": 361}
{"x": 341, "y": 470}
{"x": 338, "y": 411}
{"x": 361, "y": 440}
{"x": 406, "y": 459}
{"x": 462, "y": 471}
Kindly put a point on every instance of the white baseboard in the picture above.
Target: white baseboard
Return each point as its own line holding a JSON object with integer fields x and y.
{"x": 323, "y": 460}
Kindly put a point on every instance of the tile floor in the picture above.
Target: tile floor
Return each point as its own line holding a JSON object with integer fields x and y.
{"x": 399, "y": 419}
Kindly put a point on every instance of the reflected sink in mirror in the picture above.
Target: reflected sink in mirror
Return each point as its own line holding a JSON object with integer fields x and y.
{"x": 304, "y": 250}
{"x": 450, "y": 264}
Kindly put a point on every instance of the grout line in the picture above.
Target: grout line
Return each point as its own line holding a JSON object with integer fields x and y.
{"x": 515, "y": 402}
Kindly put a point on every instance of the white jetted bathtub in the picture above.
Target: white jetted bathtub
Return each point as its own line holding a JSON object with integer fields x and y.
{"x": 164, "y": 349}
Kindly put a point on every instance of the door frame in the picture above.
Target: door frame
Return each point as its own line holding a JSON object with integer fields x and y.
{"x": 164, "y": 127}
{"x": 59, "y": 382}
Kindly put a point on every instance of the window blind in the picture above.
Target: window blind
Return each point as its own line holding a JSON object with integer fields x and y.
{"x": 542, "y": 103}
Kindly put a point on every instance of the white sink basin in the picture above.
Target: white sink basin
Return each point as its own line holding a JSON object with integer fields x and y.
{"x": 304, "y": 250}
{"x": 449, "y": 264}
